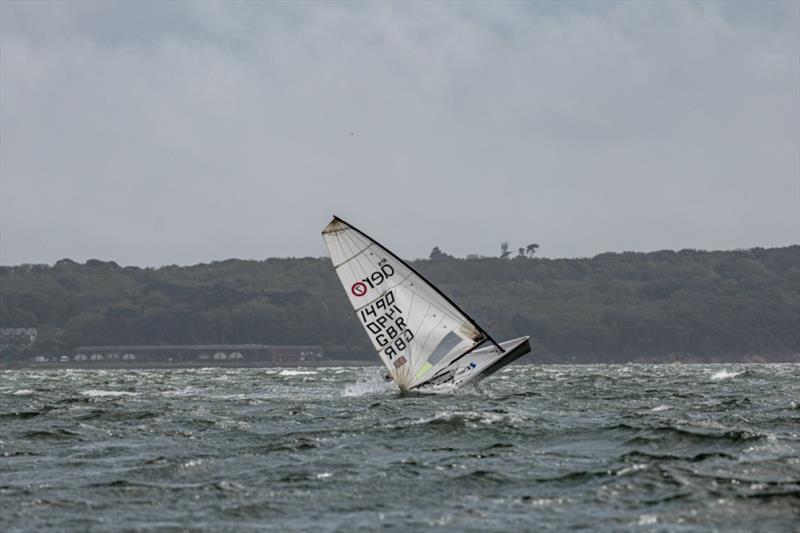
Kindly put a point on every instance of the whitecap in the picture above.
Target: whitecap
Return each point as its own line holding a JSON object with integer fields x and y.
{"x": 632, "y": 468}
{"x": 725, "y": 374}
{"x": 545, "y": 502}
{"x": 185, "y": 391}
{"x": 647, "y": 519}
{"x": 107, "y": 393}
{"x": 286, "y": 372}
{"x": 470, "y": 417}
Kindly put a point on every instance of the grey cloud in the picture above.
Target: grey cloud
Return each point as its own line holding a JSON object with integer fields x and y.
{"x": 182, "y": 132}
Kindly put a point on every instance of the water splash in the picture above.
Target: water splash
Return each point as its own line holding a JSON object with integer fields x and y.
{"x": 371, "y": 383}
{"x": 726, "y": 374}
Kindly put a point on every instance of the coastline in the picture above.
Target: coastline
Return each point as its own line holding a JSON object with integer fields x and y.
{"x": 525, "y": 361}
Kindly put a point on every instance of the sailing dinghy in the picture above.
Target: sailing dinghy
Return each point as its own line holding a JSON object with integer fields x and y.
{"x": 425, "y": 340}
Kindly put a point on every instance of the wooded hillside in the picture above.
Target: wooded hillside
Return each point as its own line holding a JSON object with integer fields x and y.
{"x": 661, "y": 306}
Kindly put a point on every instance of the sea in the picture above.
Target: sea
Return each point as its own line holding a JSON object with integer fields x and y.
{"x": 679, "y": 448}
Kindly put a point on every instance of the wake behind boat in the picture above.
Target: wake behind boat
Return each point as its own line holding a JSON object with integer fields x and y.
{"x": 425, "y": 340}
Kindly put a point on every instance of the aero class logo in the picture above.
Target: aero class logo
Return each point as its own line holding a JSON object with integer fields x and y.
{"x": 385, "y": 271}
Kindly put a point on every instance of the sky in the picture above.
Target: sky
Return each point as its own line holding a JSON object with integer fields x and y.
{"x": 184, "y": 132}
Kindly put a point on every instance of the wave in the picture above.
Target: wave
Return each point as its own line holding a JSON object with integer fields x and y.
{"x": 22, "y": 415}
{"x": 53, "y": 434}
{"x": 726, "y": 374}
{"x": 464, "y": 419}
{"x": 638, "y": 455}
{"x": 525, "y": 451}
{"x": 128, "y": 484}
{"x": 579, "y": 476}
{"x": 649, "y": 435}
{"x": 790, "y": 494}
{"x": 93, "y": 393}
{"x": 287, "y": 372}
{"x": 483, "y": 477}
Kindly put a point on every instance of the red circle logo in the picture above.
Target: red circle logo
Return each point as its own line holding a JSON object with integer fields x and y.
{"x": 358, "y": 289}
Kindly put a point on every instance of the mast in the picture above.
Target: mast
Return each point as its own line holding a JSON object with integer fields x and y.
{"x": 434, "y": 287}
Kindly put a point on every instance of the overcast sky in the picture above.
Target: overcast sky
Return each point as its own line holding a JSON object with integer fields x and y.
{"x": 161, "y": 133}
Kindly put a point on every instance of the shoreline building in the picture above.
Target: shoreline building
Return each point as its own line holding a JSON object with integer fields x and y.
{"x": 17, "y": 338}
{"x": 196, "y": 354}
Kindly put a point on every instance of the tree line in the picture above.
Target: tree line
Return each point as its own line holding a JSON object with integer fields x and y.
{"x": 689, "y": 305}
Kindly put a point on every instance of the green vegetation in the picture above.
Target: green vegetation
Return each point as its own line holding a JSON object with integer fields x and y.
{"x": 662, "y": 306}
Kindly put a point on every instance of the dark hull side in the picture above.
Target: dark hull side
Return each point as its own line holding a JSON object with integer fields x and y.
{"x": 507, "y": 359}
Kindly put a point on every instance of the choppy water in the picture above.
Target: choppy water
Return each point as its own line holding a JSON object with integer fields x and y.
{"x": 615, "y": 448}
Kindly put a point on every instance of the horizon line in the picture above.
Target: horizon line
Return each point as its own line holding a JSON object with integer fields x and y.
{"x": 468, "y": 257}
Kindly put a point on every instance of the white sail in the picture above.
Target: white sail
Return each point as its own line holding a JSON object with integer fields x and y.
{"x": 414, "y": 328}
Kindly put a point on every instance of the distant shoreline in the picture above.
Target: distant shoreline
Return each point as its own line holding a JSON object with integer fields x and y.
{"x": 792, "y": 359}
{"x": 658, "y": 307}
{"x": 167, "y": 365}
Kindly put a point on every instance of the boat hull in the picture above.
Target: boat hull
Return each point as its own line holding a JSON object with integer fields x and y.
{"x": 476, "y": 366}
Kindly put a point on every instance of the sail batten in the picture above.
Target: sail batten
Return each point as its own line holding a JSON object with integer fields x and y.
{"x": 348, "y": 260}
